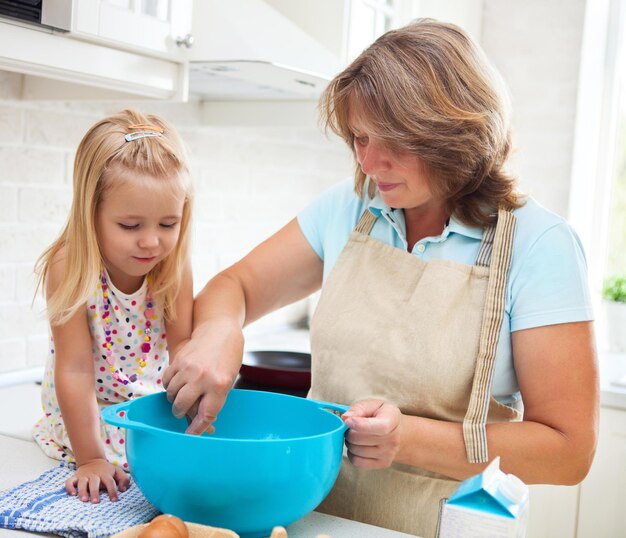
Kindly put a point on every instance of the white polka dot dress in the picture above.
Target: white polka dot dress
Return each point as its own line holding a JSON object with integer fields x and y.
{"x": 123, "y": 369}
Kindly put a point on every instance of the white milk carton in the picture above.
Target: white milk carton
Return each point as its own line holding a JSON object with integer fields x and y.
{"x": 491, "y": 504}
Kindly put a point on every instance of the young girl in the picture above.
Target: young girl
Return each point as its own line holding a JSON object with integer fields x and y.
{"x": 119, "y": 292}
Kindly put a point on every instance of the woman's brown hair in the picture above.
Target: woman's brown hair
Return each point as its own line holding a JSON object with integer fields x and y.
{"x": 428, "y": 90}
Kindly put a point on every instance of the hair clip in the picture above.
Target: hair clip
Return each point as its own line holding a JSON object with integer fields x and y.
{"x": 146, "y": 127}
{"x": 147, "y": 130}
{"x": 141, "y": 134}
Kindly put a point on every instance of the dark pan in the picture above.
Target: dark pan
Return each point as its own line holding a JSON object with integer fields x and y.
{"x": 277, "y": 368}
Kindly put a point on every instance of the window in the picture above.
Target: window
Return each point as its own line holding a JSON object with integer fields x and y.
{"x": 598, "y": 189}
{"x": 598, "y": 194}
{"x": 156, "y": 8}
{"x": 159, "y": 9}
{"x": 616, "y": 242}
{"x": 368, "y": 20}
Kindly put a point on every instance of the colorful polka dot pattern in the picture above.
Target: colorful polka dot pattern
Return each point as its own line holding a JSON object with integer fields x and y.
{"x": 126, "y": 325}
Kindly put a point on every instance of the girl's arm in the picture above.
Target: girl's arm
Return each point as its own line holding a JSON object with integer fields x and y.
{"x": 554, "y": 444}
{"x": 75, "y": 390}
{"x": 179, "y": 329}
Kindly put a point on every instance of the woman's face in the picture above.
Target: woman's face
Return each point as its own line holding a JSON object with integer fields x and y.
{"x": 401, "y": 177}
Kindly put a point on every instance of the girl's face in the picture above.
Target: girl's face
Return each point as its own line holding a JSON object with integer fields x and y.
{"x": 137, "y": 226}
{"x": 401, "y": 178}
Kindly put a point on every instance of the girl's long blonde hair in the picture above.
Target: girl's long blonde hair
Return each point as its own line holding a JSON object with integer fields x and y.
{"x": 101, "y": 155}
{"x": 428, "y": 90}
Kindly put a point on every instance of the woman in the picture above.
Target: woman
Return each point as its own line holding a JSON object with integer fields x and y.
{"x": 448, "y": 299}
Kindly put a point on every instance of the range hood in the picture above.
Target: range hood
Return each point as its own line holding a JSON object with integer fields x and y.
{"x": 246, "y": 49}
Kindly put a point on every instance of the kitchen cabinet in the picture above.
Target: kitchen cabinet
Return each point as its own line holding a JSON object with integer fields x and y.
{"x": 158, "y": 26}
{"x": 553, "y": 511}
{"x": 115, "y": 49}
{"x": 601, "y": 511}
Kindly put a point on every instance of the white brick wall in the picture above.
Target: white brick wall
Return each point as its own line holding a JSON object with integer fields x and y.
{"x": 7, "y": 283}
{"x": 9, "y": 197}
{"x": 250, "y": 180}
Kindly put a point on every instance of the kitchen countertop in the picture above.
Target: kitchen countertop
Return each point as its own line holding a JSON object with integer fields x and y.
{"x": 279, "y": 340}
{"x": 23, "y": 460}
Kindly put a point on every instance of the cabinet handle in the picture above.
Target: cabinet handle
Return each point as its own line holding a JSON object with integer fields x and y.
{"x": 187, "y": 40}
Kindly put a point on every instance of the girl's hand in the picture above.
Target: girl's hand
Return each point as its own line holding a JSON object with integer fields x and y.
{"x": 94, "y": 476}
{"x": 373, "y": 439}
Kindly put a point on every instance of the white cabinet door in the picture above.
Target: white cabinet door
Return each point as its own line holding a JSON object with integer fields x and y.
{"x": 602, "y": 511}
{"x": 56, "y": 66}
{"x": 149, "y": 25}
{"x": 553, "y": 511}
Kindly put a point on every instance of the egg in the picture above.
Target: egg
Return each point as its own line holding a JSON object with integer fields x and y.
{"x": 173, "y": 520}
{"x": 165, "y": 526}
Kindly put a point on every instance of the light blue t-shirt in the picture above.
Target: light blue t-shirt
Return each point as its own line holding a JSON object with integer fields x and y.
{"x": 547, "y": 280}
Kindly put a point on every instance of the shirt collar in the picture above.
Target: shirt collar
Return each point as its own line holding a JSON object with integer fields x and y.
{"x": 457, "y": 227}
{"x": 376, "y": 204}
{"x": 378, "y": 207}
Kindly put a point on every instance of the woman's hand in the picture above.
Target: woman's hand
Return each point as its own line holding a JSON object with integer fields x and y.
{"x": 96, "y": 475}
{"x": 203, "y": 373}
{"x": 373, "y": 439}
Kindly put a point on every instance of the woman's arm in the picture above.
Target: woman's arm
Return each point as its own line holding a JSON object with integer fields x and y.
{"x": 279, "y": 271}
{"x": 557, "y": 371}
{"x": 75, "y": 390}
{"x": 179, "y": 330}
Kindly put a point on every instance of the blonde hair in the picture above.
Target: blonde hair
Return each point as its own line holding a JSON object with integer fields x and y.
{"x": 428, "y": 90}
{"x": 101, "y": 155}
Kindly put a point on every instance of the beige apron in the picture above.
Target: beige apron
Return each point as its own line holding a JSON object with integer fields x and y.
{"x": 423, "y": 336}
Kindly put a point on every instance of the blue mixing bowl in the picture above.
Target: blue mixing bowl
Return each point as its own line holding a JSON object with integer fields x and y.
{"x": 272, "y": 459}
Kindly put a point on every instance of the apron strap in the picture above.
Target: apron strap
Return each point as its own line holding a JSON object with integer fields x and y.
{"x": 486, "y": 245}
{"x": 366, "y": 222}
{"x": 474, "y": 423}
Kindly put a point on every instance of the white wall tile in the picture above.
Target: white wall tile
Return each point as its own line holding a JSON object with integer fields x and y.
{"x": 12, "y": 353}
{"x": 11, "y": 124}
{"x": 37, "y": 349}
{"x": 69, "y": 167}
{"x": 17, "y": 320}
{"x": 209, "y": 145}
{"x": 31, "y": 165}
{"x": 181, "y": 115}
{"x": 217, "y": 178}
{"x": 56, "y": 129}
{"x": 25, "y": 284}
{"x": 23, "y": 243}
{"x": 7, "y": 282}
{"x": 9, "y": 203}
{"x": 42, "y": 203}
{"x": 10, "y": 85}
{"x": 205, "y": 267}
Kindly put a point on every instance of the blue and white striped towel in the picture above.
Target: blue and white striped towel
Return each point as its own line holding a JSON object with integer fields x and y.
{"x": 43, "y": 505}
